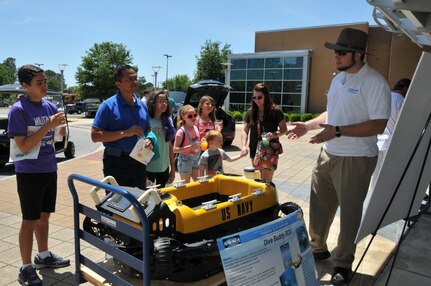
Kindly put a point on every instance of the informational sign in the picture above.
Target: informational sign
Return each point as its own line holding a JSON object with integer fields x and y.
{"x": 275, "y": 253}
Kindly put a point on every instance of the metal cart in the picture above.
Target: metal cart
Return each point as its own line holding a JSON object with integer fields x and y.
{"x": 141, "y": 235}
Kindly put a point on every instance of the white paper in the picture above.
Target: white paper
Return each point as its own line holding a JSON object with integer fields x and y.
{"x": 17, "y": 155}
{"x": 140, "y": 153}
{"x": 57, "y": 135}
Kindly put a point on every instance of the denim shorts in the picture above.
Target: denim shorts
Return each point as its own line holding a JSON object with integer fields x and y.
{"x": 187, "y": 162}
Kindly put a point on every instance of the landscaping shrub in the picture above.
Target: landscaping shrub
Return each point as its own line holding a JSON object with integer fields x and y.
{"x": 306, "y": 116}
{"x": 237, "y": 115}
{"x": 244, "y": 114}
{"x": 293, "y": 117}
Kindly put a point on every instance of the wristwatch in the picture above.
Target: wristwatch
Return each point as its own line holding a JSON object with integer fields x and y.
{"x": 337, "y": 131}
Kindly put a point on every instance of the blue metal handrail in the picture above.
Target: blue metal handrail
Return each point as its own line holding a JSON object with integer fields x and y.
{"x": 141, "y": 235}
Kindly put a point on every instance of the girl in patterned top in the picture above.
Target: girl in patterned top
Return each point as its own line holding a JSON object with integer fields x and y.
{"x": 187, "y": 144}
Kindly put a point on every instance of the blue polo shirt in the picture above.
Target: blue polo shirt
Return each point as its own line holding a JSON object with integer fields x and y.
{"x": 115, "y": 114}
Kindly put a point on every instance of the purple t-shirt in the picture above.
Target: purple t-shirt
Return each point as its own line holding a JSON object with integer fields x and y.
{"x": 23, "y": 114}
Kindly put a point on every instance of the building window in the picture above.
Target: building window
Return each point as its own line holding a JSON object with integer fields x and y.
{"x": 255, "y": 74}
{"x": 255, "y": 63}
{"x": 238, "y": 74}
{"x": 286, "y": 73}
{"x": 239, "y": 64}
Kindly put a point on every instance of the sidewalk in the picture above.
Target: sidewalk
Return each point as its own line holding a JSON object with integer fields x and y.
{"x": 293, "y": 183}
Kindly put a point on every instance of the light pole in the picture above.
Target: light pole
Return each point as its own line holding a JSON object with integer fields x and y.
{"x": 167, "y": 64}
{"x": 226, "y": 66}
{"x": 62, "y": 67}
{"x": 156, "y": 71}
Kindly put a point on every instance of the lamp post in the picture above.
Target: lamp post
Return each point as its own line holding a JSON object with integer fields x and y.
{"x": 226, "y": 66}
{"x": 156, "y": 71}
{"x": 62, "y": 67}
{"x": 167, "y": 64}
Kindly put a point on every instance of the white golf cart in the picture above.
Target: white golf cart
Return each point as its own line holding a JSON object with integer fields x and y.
{"x": 11, "y": 92}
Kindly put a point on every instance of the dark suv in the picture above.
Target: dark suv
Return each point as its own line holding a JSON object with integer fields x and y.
{"x": 80, "y": 107}
{"x": 219, "y": 92}
{"x": 91, "y": 106}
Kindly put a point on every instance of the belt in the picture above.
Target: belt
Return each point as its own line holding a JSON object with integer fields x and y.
{"x": 125, "y": 154}
{"x": 115, "y": 152}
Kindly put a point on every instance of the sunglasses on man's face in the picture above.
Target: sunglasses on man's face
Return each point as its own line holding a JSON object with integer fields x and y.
{"x": 341, "y": 52}
{"x": 190, "y": 116}
{"x": 257, "y": 97}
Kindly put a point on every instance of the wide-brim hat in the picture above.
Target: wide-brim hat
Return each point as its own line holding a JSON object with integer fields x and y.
{"x": 350, "y": 40}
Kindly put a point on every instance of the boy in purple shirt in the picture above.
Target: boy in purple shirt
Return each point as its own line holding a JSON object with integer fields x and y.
{"x": 32, "y": 121}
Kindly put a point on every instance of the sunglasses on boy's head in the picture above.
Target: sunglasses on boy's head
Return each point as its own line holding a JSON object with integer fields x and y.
{"x": 259, "y": 97}
{"x": 190, "y": 116}
{"x": 342, "y": 52}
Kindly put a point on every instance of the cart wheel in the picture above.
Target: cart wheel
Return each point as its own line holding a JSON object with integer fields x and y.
{"x": 288, "y": 208}
{"x": 165, "y": 249}
{"x": 70, "y": 150}
{"x": 93, "y": 227}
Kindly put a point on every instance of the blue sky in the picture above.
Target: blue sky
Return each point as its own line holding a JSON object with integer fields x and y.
{"x": 53, "y": 32}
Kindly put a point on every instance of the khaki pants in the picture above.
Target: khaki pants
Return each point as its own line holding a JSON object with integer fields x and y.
{"x": 338, "y": 181}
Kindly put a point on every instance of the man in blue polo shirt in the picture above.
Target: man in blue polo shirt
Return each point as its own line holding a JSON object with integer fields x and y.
{"x": 120, "y": 122}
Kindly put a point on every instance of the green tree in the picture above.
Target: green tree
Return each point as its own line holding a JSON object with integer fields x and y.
{"x": 143, "y": 85}
{"x": 8, "y": 71}
{"x": 53, "y": 80}
{"x": 71, "y": 89}
{"x": 10, "y": 63}
{"x": 210, "y": 61}
{"x": 180, "y": 82}
{"x": 6, "y": 75}
{"x": 95, "y": 75}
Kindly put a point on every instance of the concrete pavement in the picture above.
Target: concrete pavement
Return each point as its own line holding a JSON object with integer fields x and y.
{"x": 293, "y": 183}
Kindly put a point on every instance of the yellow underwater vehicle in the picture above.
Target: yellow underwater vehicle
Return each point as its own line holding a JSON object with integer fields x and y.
{"x": 185, "y": 221}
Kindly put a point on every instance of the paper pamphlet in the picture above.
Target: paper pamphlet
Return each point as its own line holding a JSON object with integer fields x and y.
{"x": 140, "y": 153}
{"x": 16, "y": 154}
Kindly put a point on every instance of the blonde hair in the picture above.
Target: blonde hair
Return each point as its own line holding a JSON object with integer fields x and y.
{"x": 212, "y": 135}
{"x": 185, "y": 109}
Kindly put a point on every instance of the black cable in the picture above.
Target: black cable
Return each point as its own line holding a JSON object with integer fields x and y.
{"x": 402, "y": 237}
{"x": 394, "y": 195}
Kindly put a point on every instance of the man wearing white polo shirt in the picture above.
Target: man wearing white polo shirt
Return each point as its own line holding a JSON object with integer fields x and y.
{"x": 358, "y": 108}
